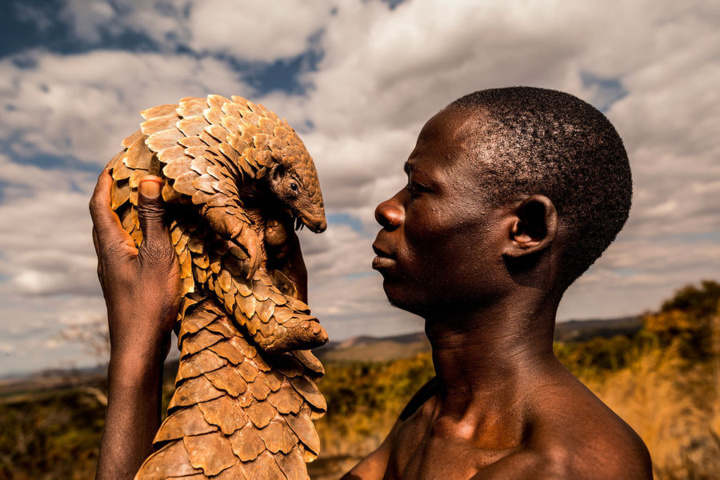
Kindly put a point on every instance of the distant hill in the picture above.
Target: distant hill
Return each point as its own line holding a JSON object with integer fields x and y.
{"x": 582, "y": 330}
{"x": 375, "y": 349}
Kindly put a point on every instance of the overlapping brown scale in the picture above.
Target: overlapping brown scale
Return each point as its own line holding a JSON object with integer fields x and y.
{"x": 170, "y": 461}
{"x": 164, "y": 139}
{"x": 120, "y": 193}
{"x": 259, "y": 389}
{"x": 210, "y": 452}
{"x": 274, "y": 380}
{"x": 120, "y": 170}
{"x": 202, "y": 362}
{"x": 224, "y": 412}
{"x": 247, "y": 444}
{"x": 214, "y": 116}
{"x": 264, "y": 467}
{"x": 195, "y": 322}
{"x": 228, "y": 379}
{"x": 229, "y": 351}
{"x": 286, "y": 400}
{"x": 130, "y": 139}
{"x": 250, "y": 119}
{"x": 188, "y": 421}
{"x": 191, "y": 106}
{"x": 202, "y": 340}
{"x": 248, "y": 371}
{"x": 260, "y": 413}
{"x": 200, "y": 198}
{"x": 278, "y": 437}
{"x": 217, "y": 100}
{"x": 236, "y": 472}
{"x": 309, "y": 361}
{"x": 194, "y": 391}
{"x": 184, "y": 183}
{"x": 309, "y": 391}
{"x": 240, "y": 101}
{"x": 223, "y": 326}
{"x": 204, "y": 183}
{"x": 138, "y": 157}
{"x": 292, "y": 464}
{"x": 193, "y": 126}
{"x": 219, "y": 172}
{"x": 157, "y": 124}
{"x": 304, "y": 429}
{"x": 158, "y": 111}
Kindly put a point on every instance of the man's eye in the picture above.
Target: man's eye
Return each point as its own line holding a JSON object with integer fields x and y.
{"x": 415, "y": 189}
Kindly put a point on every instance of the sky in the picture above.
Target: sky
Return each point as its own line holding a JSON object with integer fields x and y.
{"x": 357, "y": 80}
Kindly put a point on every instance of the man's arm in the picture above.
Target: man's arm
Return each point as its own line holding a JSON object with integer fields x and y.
{"x": 141, "y": 287}
{"x": 374, "y": 465}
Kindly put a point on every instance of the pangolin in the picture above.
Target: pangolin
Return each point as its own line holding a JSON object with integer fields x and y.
{"x": 237, "y": 177}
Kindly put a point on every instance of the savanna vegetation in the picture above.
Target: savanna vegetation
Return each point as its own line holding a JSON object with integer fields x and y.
{"x": 664, "y": 380}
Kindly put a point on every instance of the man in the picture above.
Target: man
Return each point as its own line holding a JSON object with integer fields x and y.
{"x": 512, "y": 194}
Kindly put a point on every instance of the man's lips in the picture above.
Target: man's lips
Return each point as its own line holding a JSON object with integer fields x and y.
{"x": 383, "y": 259}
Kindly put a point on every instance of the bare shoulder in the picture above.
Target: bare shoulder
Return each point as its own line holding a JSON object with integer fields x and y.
{"x": 573, "y": 434}
{"x": 405, "y": 432}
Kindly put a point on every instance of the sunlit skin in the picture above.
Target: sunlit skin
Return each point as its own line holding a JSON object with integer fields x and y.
{"x": 503, "y": 407}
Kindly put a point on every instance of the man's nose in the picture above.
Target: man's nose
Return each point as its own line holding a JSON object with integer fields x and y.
{"x": 390, "y": 213}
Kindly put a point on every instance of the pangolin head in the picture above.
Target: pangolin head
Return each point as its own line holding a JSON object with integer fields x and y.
{"x": 294, "y": 182}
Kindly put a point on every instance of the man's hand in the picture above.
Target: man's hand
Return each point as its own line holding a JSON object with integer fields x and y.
{"x": 142, "y": 292}
{"x": 141, "y": 285}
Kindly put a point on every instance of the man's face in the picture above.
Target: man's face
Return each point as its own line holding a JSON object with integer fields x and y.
{"x": 439, "y": 248}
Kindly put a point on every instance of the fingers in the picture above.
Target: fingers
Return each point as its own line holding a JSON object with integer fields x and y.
{"x": 107, "y": 228}
{"x": 151, "y": 211}
{"x": 150, "y": 207}
{"x": 95, "y": 241}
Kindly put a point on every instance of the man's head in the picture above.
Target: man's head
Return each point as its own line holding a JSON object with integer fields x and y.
{"x": 537, "y": 141}
{"x": 492, "y": 180}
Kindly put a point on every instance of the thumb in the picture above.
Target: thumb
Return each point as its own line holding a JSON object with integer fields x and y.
{"x": 151, "y": 210}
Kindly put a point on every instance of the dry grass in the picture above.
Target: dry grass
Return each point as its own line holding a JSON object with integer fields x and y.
{"x": 673, "y": 405}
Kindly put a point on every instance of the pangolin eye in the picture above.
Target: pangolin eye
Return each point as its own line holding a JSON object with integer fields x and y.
{"x": 293, "y": 186}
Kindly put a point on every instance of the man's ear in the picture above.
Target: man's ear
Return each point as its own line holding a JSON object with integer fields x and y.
{"x": 534, "y": 227}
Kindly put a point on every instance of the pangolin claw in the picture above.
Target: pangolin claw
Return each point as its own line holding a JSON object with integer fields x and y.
{"x": 251, "y": 241}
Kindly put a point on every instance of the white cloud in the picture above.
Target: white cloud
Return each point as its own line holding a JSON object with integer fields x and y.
{"x": 83, "y": 105}
{"x": 383, "y": 73}
{"x": 256, "y": 31}
{"x": 244, "y": 29}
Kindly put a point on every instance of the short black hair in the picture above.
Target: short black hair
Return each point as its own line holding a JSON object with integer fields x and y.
{"x": 538, "y": 141}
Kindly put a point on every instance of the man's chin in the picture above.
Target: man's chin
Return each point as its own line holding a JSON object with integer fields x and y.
{"x": 398, "y": 300}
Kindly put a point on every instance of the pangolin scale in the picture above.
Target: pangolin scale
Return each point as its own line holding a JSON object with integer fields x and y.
{"x": 236, "y": 176}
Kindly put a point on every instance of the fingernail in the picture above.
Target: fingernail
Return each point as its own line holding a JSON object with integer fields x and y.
{"x": 150, "y": 187}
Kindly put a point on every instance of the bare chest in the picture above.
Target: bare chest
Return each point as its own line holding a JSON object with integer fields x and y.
{"x": 432, "y": 457}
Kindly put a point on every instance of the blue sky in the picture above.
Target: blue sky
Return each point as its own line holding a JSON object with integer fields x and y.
{"x": 357, "y": 79}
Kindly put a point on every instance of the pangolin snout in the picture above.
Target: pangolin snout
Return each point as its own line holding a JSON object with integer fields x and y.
{"x": 318, "y": 226}
{"x": 321, "y": 227}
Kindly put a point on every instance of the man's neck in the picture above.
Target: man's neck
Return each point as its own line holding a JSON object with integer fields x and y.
{"x": 487, "y": 361}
